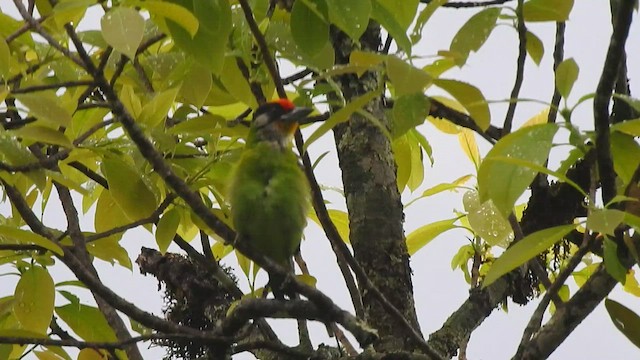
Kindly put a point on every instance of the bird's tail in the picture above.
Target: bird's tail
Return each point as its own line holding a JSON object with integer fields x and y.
{"x": 277, "y": 283}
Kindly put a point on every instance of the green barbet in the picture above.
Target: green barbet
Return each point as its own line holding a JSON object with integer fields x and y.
{"x": 269, "y": 193}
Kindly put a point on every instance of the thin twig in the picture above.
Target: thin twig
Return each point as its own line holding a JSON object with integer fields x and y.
{"x": 558, "y": 56}
{"x": 522, "y": 56}
{"x": 469, "y": 4}
{"x": 66, "y": 84}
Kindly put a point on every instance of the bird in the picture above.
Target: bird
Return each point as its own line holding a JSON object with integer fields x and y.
{"x": 269, "y": 192}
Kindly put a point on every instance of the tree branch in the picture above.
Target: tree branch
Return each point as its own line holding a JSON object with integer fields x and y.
{"x": 622, "y": 22}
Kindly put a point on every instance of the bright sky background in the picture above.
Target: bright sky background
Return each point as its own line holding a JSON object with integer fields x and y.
{"x": 438, "y": 290}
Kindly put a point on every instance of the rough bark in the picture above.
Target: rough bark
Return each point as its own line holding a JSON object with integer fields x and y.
{"x": 373, "y": 200}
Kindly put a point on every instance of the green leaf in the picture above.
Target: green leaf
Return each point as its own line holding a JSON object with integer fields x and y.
{"x": 455, "y": 184}
{"x": 406, "y": 78}
{"x": 309, "y": 30}
{"x": 128, "y": 188}
{"x": 341, "y": 116}
{"x": 566, "y": 76}
{"x": 535, "y": 47}
{"x": 420, "y": 237}
{"x": 424, "y": 17}
{"x": 123, "y": 29}
{"x": 387, "y": 19}
{"x": 424, "y": 143}
{"x": 155, "y": 111}
{"x": 631, "y": 127}
{"x": 604, "y": 221}
{"x": 339, "y": 218}
{"x": 612, "y": 262}
{"x": 625, "y": 320}
{"x": 34, "y": 299}
{"x": 474, "y": 33}
{"x": 470, "y": 97}
{"x": 27, "y": 237}
{"x": 5, "y": 58}
{"x": 403, "y": 11}
{"x": 402, "y": 154}
{"x": 108, "y": 213}
{"x": 350, "y": 16}
{"x": 504, "y": 182}
{"x": 46, "y": 107}
{"x": 625, "y": 153}
{"x": 174, "y": 12}
{"x": 86, "y": 321}
{"x": 43, "y": 134}
{"x": 209, "y": 44}
{"x": 167, "y": 228}
{"x": 236, "y": 84}
{"x": 547, "y": 10}
{"x": 633, "y": 102}
{"x": 538, "y": 168}
{"x": 486, "y": 221}
{"x": 110, "y": 250}
{"x": 196, "y": 86}
{"x": 524, "y": 250}
{"x": 409, "y": 111}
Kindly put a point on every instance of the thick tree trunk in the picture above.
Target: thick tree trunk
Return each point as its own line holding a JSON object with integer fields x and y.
{"x": 375, "y": 210}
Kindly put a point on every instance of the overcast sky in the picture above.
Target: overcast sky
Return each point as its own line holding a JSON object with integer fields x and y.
{"x": 438, "y": 289}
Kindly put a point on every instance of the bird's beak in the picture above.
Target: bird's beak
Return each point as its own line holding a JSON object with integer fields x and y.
{"x": 296, "y": 115}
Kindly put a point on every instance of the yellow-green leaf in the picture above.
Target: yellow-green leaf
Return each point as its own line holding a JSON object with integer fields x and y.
{"x": 423, "y": 18}
{"x": 5, "y": 58}
{"x": 420, "y": 237}
{"x": 631, "y": 127}
{"x": 46, "y": 107}
{"x": 12, "y": 235}
{"x": 43, "y": 134}
{"x": 128, "y": 188}
{"x": 540, "y": 118}
{"x": 470, "y": 97}
{"x": 34, "y": 299}
{"x": 547, "y": 10}
{"x": 110, "y": 250}
{"x": 524, "y": 250}
{"x": 625, "y": 152}
{"x": 173, "y": 12}
{"x": 167, "y": 228}
{"x": 486, "y": 221}
{"x": 535, "y": 47}
{"x": 156, "y": 110}
{"x": 86, "y": 321}
{"x": 123, "y": 29}
{"x": 625, "y": 320}
{"x": 504, "y": 182}
{"x": 604, "y": 221}
{"x": 467, "y": 140}
{"x": 566, "y": 76}
{"x": 91, "y": 354}
{"x": 473, "y": 34}
{"x": 406, "y": 78}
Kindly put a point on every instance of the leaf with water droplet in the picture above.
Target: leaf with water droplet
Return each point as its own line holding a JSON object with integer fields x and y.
{"x": 34, "y": 299}
{"x": 123, "y": 29}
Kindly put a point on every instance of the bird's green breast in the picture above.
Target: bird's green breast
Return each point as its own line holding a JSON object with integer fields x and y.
{"x": 269, "y": 200}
